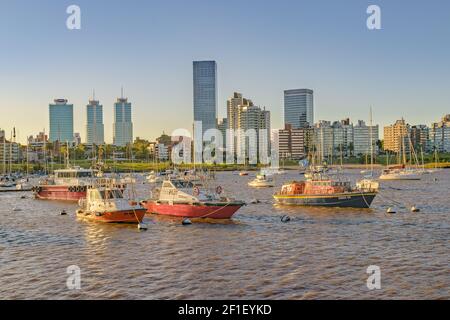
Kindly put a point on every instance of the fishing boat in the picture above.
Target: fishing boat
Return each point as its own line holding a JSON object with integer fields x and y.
{"x": 321, "y": 190}
{"x": 181, "y": 198}
{"x": 262, "y": 181}
{"x": 107, "y": 204}
{"x": 70, "y": 184}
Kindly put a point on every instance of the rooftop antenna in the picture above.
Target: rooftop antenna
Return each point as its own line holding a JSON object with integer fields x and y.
{"x": 121, "y": 91}
{"x": 93, "y": 94}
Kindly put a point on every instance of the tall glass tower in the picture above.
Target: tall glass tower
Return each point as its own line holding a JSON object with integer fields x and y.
{"x": 123, "y": 127}
{"x": 61, "y": 121}
{"x": 94, "y": 123}
{"x": 299, "y": 107}
{"x": 205, "y": 94}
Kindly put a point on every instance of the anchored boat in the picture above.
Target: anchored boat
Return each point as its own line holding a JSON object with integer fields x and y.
{"x": 262, "y": 181}
{"x": 182, "y": 198}
{"x": 107, "y": 204}
{"x": 70, "y": 184}
{"x": 321, "y": 190}
{"x": 400, "y": 172}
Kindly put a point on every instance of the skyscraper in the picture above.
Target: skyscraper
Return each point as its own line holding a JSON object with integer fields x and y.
{"x": 61, "y": 121}
{"x": 205, "y": 94}
{"x": 299, "y": 108}
{"x": 123, "y": 126}
{"x": 94, "y": 123}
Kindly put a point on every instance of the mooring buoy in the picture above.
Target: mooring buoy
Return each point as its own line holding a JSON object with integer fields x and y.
{"x": 415, "y": 209}
{"x": 142, "y": 226}
{"x": 63, "y": 212}
{"x": 186, "y": 222}
{"x": 285, "y": 219}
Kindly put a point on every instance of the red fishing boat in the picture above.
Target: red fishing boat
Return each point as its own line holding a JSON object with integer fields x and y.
{"x": 182, "y": 198}
{"x": 107, "y": 204}
{"x": 69, "y": 184}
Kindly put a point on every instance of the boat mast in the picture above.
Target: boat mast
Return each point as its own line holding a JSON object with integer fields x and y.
{"x": 371, "y": 142}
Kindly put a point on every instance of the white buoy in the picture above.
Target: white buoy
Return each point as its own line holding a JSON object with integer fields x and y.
{"x": 142, "y": 226}
{"x": 254, "y": 201}
{"x": 186, "y": 222}
{"x": 415, "y": 209}
{"x": 390, "y": 210}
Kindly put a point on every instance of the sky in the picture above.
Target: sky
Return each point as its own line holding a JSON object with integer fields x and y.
{"x": 262, "y": 47}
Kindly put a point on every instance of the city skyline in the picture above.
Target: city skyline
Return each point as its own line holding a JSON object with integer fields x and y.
{"x": 348, "y": 66}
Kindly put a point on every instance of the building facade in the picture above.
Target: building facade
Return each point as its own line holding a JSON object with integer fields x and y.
{"x": 362, "y": 142}
{"x": 234, "y": 107}
{"x": 9, "y": 152}
{"x": 291, "y": 143}
{"x": 61, "y": 121}
{"x": 205, "y": 94}
{"x": 95, "y": 131}
{"x": 253, "y": 133}
{"x": 396, "y": 137}
{"x": 299, "y": 108}
{"x": 420, "y": 138}
{"x": 439, "y": 135}
{"x": 123, "y": 125}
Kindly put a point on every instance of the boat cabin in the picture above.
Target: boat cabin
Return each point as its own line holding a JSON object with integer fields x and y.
{"x": 73, "y": 176}
{"x": 315, "y": 187}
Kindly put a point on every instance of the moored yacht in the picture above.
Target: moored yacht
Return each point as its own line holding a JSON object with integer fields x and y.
{"x": 262, "y": 181}
{"x": 400, "y": 173}
{"x": 181, "y": 198}
{"x": 321, "y": 190}
{"x": 107, "y": 204}
{"x": 70, "y": 184}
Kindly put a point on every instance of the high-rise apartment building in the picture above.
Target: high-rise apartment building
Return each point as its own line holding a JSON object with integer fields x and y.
{"x": 254, "y": 133}
{"x": 362, "y": 142}
{"x": 291, "y": 143}
{"x": 440, "y": 135}
{"x": 396, "y": 137}
{"x": 234, "y": 105}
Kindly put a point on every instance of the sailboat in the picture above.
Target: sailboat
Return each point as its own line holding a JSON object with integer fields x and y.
{"x": 400, "y": 171}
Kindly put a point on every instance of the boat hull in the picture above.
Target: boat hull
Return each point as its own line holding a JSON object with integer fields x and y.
{"x": 58, "y": 193}
{"x": 123, "y": 216}
{"x": 400, "y": 177}
{"x": 356, "y": 200}
{"x": 210, "y": 211}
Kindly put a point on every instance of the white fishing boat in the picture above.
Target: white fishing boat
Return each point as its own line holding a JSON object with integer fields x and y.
{"x": 107, "y": 204}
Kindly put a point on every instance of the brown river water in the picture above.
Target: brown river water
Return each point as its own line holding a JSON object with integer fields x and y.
{"x": 319, "y": 254}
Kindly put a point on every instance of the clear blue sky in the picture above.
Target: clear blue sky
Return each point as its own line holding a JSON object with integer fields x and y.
{"x": 262, "y": 47}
